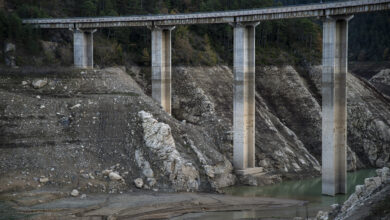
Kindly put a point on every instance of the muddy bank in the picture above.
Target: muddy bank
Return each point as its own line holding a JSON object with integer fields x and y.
{"x": 44, "y": 204}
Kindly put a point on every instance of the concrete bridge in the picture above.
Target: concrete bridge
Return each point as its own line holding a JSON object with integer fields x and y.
{"x": 335, "y": 18}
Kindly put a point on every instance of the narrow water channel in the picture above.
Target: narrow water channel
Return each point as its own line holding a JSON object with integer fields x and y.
{"x": 308, "y": 190}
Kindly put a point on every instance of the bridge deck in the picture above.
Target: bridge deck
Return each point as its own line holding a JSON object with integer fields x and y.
{"x": 286, "y": 12}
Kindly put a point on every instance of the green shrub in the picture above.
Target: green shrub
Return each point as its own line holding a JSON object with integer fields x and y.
{"x": 28, "y": 11}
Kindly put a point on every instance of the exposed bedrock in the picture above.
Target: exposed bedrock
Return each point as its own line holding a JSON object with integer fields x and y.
{"x": 97, "y": 130}
{"x": 368, "y": 121}
{"x": 288, "y": 115}
{"x": 203, "y": 97}
{"x": 381, "y": 81}
{"x": 369, "y": 201}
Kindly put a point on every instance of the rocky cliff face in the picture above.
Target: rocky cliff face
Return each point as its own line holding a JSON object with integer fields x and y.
{"x": 369, "y": 201}
{"x": 288, "y": 116}
{"x": 96, "y": 130}
{"x": 381, "y": 81}
{"x": 204, "y": 97}
{"x": 368, "y": 121}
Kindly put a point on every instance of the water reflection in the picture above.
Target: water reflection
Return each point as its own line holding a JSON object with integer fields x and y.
{"x": 308, "y": 190}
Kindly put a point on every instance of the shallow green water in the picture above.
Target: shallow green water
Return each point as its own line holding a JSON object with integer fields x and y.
{"x": 308, "y": 190}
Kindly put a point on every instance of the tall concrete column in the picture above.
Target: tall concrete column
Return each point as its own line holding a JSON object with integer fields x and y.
{"x": 334, "y": 104}
{"x": 83, "y": 48}
{"x": 161, "y": 65}
{"x": 244, "y": 96}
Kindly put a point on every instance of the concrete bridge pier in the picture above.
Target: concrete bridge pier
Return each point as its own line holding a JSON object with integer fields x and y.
{"x": 83, "y": 48}
{"x": 244, "y": 98}
{"x": 161, "y": 65}
{"x": 334, "y": 104}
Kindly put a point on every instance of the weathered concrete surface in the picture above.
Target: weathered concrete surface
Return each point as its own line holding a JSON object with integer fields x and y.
{"x": 140, "y": 205}
{"x": 244, "y": 96}
{"x": 334, "y": 105}
{"x": 368, "y": 120}
{"x": 161, "y": 66}
{"x": 83, "y": 48}
{"x": 312, "y": 10}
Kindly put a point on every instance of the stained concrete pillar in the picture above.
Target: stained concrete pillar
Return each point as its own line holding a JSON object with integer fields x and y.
{"x": 83, "y": 48}
{"x": 161, "y": 65}
{"x": 244, "y": 96}
{"x": 334, "y": 104}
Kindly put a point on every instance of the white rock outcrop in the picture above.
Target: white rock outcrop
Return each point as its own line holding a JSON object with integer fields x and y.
{"x": 219, "y": 175}
{"x": 144, "y": 165}
{"x": 359, "y": 198}
{"x": 362, "y": 192}
{"x": 158, "y": 139}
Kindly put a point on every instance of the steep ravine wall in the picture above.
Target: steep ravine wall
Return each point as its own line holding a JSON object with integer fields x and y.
{"x": 74, "y": 128}
{"x": 368, "y": 121}
{"x": 83, "y": 129}
{"x": 288, "y": 115}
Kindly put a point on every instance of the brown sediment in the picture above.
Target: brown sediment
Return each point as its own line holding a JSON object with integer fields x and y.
{"x": 136, "y": 205}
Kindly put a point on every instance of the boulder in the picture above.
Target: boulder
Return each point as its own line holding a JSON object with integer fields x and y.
{"x": 106, "y": 172}
{"x": 138, "y": 183}
{"x": 359, "y": 189}
{"x": 151, "y": 181}
{"x": 40, "y": 83}
{"x": 43, "y": 179}
{"x": 74, "y": 193}
{"x": 322, "y": 215}
{"x": 114, "y": 176}
{"x": 384, "y": 174}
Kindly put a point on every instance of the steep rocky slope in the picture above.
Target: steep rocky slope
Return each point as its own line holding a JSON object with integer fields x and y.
{"x": 84, "y": 129}
{"x": 204, "y": 96}
{"x": 97, "y": 130}
{"x": 369, "y": 201}
{"x": 368, "y": 121}
{"x": 288, "y": 115}
{"x": 381, "y": 81}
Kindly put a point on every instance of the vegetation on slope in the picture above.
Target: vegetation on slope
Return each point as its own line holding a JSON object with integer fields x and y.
{"x": 296, "y": 41}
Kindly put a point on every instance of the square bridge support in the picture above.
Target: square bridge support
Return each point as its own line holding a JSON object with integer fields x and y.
{"x": 244, "y": 96}
{"x": 334, "y": 105}
{"x": 83, "y": 48}
{"x": 161, "y": 66}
